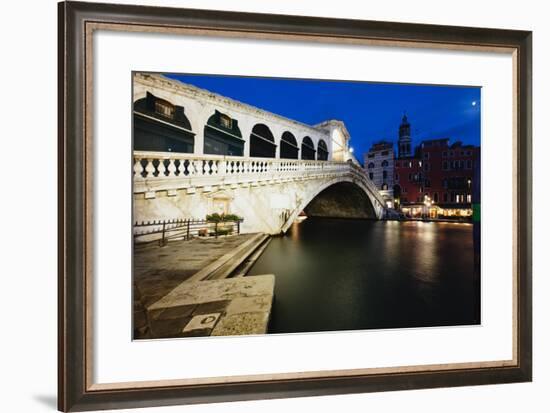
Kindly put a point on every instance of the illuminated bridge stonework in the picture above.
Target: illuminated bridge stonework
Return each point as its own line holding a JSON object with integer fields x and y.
{"x": 196, "y": 153}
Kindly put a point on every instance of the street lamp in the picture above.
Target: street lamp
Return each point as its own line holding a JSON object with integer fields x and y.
{"x": 427, "y": 204}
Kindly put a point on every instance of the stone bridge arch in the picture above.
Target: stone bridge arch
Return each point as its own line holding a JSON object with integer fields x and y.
{"x": 342, "y": 197}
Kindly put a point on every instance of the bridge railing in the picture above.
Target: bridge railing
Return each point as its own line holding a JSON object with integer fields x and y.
{"x": 151, "y": 165}
{"x": 358, "y": 171}
{"x": 158, "y": 170}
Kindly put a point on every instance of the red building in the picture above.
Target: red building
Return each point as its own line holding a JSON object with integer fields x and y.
{"x": 437, "y": 180}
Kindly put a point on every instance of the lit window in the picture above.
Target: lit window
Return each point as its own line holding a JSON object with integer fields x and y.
{"x": 469, "y": 198}
{"x": 164, "y": 108}
{"x": 225, "y": 121}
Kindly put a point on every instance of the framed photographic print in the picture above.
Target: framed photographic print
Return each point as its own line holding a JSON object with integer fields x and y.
{"x": 261, "y": 206}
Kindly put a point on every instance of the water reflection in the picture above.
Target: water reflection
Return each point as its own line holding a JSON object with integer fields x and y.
{"x": 351, "y": 274}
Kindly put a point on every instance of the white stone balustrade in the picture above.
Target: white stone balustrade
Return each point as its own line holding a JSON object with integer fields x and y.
{"x": 158, "y": 171}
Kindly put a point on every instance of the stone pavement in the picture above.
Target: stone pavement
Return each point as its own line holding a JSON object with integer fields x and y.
{"x": 173, "y": 299}
{"x": 158, "y": 270}
{"x": 232, "y": 306}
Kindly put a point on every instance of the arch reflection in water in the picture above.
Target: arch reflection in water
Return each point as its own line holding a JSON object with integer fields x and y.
{"x": 342, "y": 274}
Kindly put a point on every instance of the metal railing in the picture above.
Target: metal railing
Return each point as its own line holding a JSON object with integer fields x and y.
{"x": 182, "y": 229}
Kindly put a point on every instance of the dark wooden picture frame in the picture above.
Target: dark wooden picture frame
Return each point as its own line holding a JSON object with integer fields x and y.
{"x": 77, "y": 21}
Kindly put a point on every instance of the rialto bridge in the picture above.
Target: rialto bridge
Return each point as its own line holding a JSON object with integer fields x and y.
{"x": 196, "y": 152}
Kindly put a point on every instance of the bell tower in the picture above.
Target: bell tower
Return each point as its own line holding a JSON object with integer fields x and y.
{"x": 404, "y": 142}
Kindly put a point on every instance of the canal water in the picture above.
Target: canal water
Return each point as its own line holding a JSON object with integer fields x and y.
{"x": 335, "y": 274}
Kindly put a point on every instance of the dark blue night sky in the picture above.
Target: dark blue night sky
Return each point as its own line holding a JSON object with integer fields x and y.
{"x": 371, "y": 111}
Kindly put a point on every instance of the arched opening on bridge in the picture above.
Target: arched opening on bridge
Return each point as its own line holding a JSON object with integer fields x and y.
{"x": 289, "y": 146}
{"x": 262, "y": 142}
{"x": 341, "y": 200}
{"x": 322, "y": 151}
{"x": 308, "y": 149}
{"x": 161, "y": 126}
{"x": 222, "y": 136}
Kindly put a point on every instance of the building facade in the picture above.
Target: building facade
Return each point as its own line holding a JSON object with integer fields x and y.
{"x": 437, "y": 182}
{"x": 379, "y": 167}
{"x": 434, "y": 179}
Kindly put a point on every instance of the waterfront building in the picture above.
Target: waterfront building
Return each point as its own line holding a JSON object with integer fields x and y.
{"x": 437, "y": 181}
{"x": 379, "y": 167}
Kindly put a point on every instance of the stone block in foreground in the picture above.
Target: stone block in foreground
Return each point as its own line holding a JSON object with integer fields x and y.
{"x": 231, "y": 306}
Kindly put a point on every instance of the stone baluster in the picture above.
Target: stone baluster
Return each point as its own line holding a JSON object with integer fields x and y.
{"x": 204, "y": 167}
{"x": 138, "y": 169}
{"x": 172, "y": 168}
{"x": 191, "y": 168}
{"x": 162, "y": 168}
{"x": 222, "y": 168}
{"x": 149, "y": 169}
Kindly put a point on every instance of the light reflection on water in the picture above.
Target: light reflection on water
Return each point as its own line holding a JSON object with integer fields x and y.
{"x": 353, "y": 274}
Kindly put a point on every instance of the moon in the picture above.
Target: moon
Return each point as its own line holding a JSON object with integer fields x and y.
{"x": 474, "y": 103}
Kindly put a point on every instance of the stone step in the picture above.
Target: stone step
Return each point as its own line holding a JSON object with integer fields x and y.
{"x": 245, "y": 266}
{"x": 233, "y": 263}
{"x": 211, "y": 268}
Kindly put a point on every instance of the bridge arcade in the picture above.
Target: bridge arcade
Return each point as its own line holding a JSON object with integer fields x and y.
{"x": 193, "y": 120}
{"x": 196, "y": 152}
